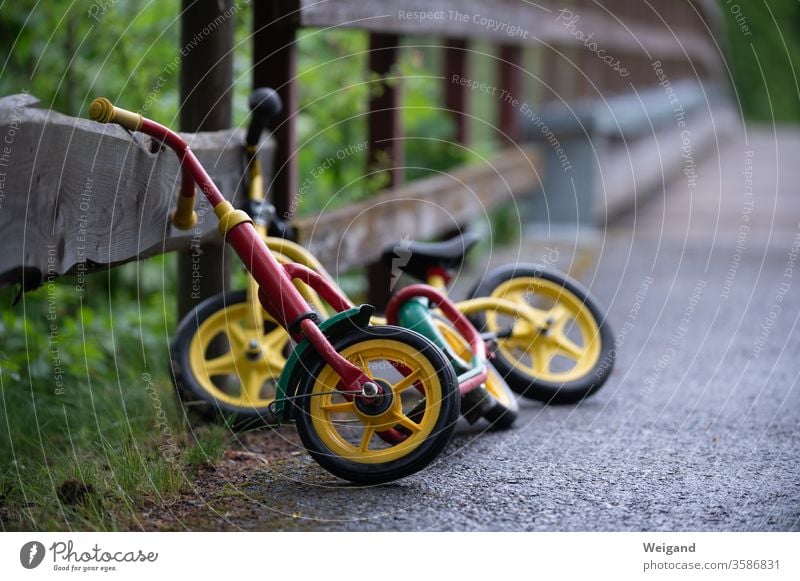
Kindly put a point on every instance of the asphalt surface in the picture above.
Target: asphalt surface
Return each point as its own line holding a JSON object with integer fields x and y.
{"x": 697, "y": 428}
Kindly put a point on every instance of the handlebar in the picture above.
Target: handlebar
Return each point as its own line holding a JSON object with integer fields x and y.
{"x": 277, "y": 292}
{"x": 184, "y": 217}
{"x": 265, "y": 104}
{"x": 103, "y": 111}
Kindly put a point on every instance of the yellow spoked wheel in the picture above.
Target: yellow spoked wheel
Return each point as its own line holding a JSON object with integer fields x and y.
{"x": 504, "y": 406}
{"x": 226, "y": 364}
{"x": 393, "y": 435}
{"x": 566, "y": 353}
{"x": 564, "y": 350}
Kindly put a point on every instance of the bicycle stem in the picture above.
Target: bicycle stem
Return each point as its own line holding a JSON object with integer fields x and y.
{"x": 274, "y": 281}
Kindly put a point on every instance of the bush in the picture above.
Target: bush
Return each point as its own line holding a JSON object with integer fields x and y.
{"x": 766, "y": 62}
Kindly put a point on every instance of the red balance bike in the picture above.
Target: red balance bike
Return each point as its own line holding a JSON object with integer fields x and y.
{"x": 371, "y": 403}
{"x": 242, "y": 389}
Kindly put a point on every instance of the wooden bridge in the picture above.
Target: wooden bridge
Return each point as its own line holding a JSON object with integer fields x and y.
{"x": 613, "y": 88}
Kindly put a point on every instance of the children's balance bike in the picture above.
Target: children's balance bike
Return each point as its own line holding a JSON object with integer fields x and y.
{"x": 243, "y": 386}
{"x": 371, "y": 403}
{"x": 550, "y": 339}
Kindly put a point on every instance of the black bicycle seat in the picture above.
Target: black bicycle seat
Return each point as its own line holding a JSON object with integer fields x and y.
{"x": 417, "y": 258}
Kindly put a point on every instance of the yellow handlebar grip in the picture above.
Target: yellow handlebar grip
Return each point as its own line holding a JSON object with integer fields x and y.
{"x": 103, "y": 111}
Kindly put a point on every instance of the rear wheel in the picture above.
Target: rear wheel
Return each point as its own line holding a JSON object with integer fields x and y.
{"x": 222, "y": 366}
{"x": 564, "y": 360}
{"x": 395, "y": 434}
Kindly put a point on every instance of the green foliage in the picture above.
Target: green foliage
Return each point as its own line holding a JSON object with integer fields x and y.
{"x": 86, "y": 399}
{"x": 766, "y": 62}
{"x": 67, "y": 53}
{"x": 131, "y": 53}
{"x": 334, "y": 91}
{"x": 429, "y": 132}
{"x": 65, "y": 57}
{"x": 331, "y": 123}
{"x": 209, "y": 444}
{"x": 483, "y": 67}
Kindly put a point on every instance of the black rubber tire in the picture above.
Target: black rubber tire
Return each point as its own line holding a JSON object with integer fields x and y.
{"x": 500, "y": 415}
{"x": 527, "y": 385}
{"x": 195, "y": 400}
{"x": 416, "y": 459}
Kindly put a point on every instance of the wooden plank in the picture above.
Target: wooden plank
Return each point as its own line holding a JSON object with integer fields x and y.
{"x": 78, "y": 196}
{"x": 508, "y": 22}
{"x": 425, "y": 208}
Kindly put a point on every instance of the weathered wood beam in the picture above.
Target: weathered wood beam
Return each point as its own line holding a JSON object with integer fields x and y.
{"x": 78, "y": 196}
{"x": 425, "y": 208}
{"x": 510, "y": 22}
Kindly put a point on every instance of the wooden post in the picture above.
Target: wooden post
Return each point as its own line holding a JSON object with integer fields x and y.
{"x": 456, "y": 95}
{"x": 457, "y": 99}
{"x": 386, "y": 146}
{"x": 510, "y": 92}
{"x": 551, "y": 81}
{"x": 385, "y": 127}
{"x": 275, "y": 66}
{"x": 206, "y": 79}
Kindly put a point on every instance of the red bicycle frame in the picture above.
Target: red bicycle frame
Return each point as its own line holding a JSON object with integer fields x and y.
{"x": 277, "y": 292}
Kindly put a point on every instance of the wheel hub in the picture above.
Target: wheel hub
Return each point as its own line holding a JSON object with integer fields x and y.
{"x": 253, "y": 350}
{"x": 377, "y": 399}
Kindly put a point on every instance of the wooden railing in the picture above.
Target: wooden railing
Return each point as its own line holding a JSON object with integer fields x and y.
{"x": 569, "y": 38}
{"x": 630, "y": 33}
{"x": 77, "y": 196}
{"x": 545, "y": 51}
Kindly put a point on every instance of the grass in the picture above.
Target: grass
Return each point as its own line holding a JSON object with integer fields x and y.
{"x": 89, "y": 429}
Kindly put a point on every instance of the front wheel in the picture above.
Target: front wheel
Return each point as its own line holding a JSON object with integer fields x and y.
{"x": 394, "y": 435}
{"x": 563, "y": 359}
{"x": 503, "y": 408}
